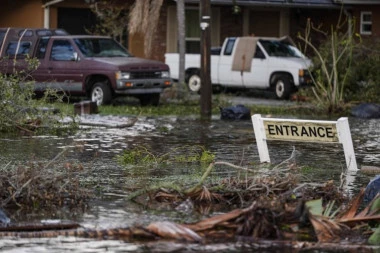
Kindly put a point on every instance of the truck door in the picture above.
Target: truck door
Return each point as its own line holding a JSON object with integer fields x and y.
{"x": 258, "y": 77}
{"x": 234, "y": 73}
{"x": 59, "y": 68}
{"x": 225, "y": 75}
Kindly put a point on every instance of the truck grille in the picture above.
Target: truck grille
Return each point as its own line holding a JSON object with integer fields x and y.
{"x": 147, "y": 74}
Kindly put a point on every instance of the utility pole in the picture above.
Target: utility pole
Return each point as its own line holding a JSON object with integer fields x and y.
{"x": 181, "y": 41}
{"x": 206, "y": 89}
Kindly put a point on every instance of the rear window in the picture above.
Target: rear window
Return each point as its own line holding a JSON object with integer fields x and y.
{"x": 18, "y": 48}
{"x": 229, "y": 46}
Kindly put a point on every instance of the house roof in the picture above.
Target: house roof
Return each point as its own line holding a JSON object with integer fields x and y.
{"x": 281, "y": 3}
{"x": 358, "y": 1}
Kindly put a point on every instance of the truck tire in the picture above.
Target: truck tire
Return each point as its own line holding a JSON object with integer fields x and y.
{"x": 194, "y": 82}
{"x": 150, "y": 99}
{"x": 283, "y": 87}
{"x": 101, "y": 93}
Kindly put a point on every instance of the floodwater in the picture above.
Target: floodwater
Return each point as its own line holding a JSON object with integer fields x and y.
{"x": 95, "y": 149}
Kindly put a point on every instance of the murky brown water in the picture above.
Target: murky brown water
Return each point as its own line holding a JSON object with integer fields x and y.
{"x": 96, "y": 148}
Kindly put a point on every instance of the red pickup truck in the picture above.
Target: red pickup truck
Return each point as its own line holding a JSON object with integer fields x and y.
{"x": 83, "y": 65}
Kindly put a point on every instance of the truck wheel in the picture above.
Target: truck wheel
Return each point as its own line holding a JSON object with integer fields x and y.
{"x": 150, "y": 99}
{"x": 283, "y": 87}
{"x": 101, "y": 93}
{"x": 194, "y": 82}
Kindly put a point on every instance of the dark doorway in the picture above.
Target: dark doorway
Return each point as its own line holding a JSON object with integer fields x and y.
{"x": 76, "y": 20}
{"x": 264, "y": 23}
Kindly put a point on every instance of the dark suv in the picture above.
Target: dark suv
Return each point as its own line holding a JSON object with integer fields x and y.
{"x": 82, "y": 65}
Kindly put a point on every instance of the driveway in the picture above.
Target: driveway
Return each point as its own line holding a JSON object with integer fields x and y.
{"x": 264, "y": 98}
{"x": 251, "y": 100}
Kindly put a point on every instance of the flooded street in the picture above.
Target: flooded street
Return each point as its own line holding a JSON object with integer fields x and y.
{"x": 96, "y": 148}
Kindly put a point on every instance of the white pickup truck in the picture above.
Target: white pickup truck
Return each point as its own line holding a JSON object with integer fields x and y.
{"x": 276, "y": 64}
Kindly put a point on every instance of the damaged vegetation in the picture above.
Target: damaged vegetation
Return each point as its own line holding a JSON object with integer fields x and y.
{"x": 20, "y": 111}
{"x": 278, "y": 204}
{"x": 264, "y": 205}
{"x": 43, "y": 187}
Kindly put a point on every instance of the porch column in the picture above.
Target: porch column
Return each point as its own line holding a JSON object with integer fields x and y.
{"x": 284, "y": 23}
{"x": 47, "y": 12}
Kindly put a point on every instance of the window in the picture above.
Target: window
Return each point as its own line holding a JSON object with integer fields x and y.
{"x": 366, "y": 22}
{"x": 229, "y": 47}
{"x": 21, "y": 47}
{"x": 259, "y": 54}
{"x": 25, "y": 33}
{"x": 2, "y": 35}
{"x": 279, "y": 49}
{"x": 62, "y": 50}
{"x": 41, "y": 47}
{"x": 95, "y": 47}
{"x": 193, "y": 31}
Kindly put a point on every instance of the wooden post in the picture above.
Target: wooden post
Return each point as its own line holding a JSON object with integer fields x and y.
{"x": 346, "y": 140}
{"x": 261, "y": 140}
{"x": 206, "y": 88}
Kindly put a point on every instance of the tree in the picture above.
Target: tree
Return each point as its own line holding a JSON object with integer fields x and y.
{"x": 112, "y": 20}
{"x": 143, "y": 19}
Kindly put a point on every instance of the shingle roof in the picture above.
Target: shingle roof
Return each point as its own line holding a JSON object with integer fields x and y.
{"x": 288, "y": 3}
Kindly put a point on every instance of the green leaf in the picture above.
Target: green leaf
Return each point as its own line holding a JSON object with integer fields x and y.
{"x": 374, "y": 239}
{"x": 315, "y": 206}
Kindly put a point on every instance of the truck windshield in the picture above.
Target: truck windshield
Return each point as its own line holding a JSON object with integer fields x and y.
{"x": 100, "y": 47}
{"x": 280, "y": 49}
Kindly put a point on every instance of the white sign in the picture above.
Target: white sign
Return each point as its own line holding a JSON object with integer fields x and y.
{"x": 305, "y": 131}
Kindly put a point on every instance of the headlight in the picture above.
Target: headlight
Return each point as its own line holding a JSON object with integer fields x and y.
{"x": 165, "y": 74}
{"x": 123, "y": 75}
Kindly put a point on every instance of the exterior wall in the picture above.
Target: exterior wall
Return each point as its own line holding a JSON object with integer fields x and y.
{"x": 375, "y": 9}
{"x": 172, "y": 28}
{"x": 22, "y": 13}
{"x": 290, "y": 21}
{"x": 231, "y": 25}
{"x": 323, "y": 19}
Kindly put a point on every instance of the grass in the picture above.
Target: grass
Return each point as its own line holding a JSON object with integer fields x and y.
{"x": 191, "y": 107}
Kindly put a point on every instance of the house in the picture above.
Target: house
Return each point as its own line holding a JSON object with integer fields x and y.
{"x": 228, "y": 18}
{"x": 364, "y": 11}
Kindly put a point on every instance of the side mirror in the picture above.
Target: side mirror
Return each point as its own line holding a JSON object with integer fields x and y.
{"x": 75, "y": 57}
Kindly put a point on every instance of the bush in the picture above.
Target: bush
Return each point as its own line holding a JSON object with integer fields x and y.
{"x": 19, "y": 110}
{"x": 364, "y": 82}
{"x": 332, "y": 65}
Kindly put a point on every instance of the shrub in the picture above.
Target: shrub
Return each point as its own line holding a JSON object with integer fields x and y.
{"x": 332, "y": 65}
{"x": 364, "y": 82}
{"x": 19, "y": 110}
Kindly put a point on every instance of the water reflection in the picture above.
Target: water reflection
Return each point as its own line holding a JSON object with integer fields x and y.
{"x": 96, "y": 147}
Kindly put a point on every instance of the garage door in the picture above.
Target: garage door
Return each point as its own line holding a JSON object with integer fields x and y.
{"x": 76, "y": 20}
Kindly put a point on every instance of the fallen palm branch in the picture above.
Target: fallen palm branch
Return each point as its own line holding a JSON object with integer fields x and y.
{"x": 262, "y": 224}
{"x": 276, "y": 207}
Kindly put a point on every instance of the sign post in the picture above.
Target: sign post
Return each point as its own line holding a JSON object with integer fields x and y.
{"x": 303, "y": 131}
